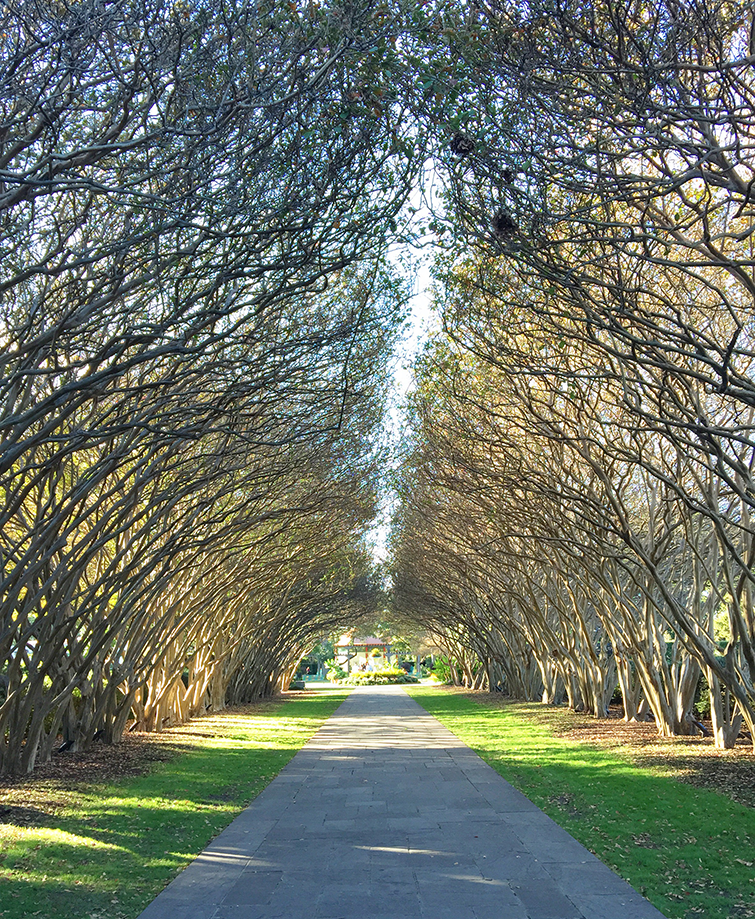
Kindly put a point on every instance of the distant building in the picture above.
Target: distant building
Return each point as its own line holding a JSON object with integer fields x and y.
{"x": 355, "y": 653}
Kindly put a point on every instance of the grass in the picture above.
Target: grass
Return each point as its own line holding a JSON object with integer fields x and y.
{"x": 689, "y": 850}
{"x": 105, "y": 850}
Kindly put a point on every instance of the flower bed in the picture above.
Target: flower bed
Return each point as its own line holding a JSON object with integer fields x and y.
{"x": 379, "y": 677}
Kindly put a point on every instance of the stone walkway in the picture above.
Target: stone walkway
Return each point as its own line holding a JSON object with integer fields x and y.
{"x": 384, "y": 814}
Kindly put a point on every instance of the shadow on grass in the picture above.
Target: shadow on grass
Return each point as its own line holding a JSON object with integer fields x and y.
{"x": 108, "y": 849}
{"x": 688, "y": 850}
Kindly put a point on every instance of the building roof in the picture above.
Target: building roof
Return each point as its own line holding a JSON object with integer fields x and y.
{"x": 369, "y": 641}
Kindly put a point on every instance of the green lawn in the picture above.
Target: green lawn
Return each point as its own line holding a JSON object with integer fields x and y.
{"x": 690, "y": 851}
{"x": 106, "y": 850}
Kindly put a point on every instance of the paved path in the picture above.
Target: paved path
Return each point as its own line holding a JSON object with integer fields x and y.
{"x": 384, "y": 814}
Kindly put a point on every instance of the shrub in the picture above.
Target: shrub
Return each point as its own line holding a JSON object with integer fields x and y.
{"x": 702, "y": 697}
{"x": 379, "y": 677}
{"x": 335, "y": 671}
{"x": 442, "y": 670}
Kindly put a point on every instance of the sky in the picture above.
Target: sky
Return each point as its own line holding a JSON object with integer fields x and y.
{"x": 416, "y": 260}
{"x": 421, "y": 321}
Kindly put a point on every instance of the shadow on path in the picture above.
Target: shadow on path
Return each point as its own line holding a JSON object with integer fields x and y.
{"x": 386, "y": 814}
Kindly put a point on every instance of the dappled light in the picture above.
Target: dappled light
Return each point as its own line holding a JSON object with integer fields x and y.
{"x": 214, "y": 219}
{"x": 429, "y": 826}
{"x": 113, "y": 845}
{"x": 680, "y": 846}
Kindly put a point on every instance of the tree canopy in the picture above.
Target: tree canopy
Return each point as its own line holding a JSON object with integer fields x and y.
{"x": 577, "y": 496}
{"x": 198, "y": 308}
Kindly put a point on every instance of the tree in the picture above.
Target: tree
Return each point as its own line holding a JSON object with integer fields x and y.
{"x": 597, "y": 176}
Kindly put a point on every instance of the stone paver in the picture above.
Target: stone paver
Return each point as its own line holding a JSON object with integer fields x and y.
{"x": 384, "y": 814}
